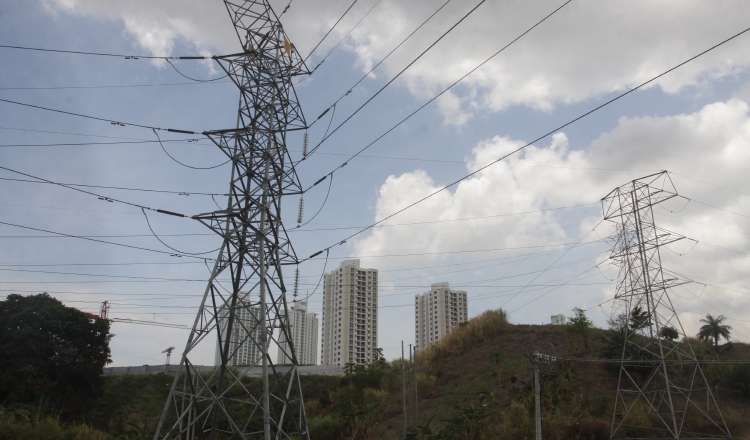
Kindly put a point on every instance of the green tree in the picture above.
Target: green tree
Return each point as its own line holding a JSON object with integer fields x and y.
{"x": 51, "y": 351}
{"x": 581, "y": 325}
{"x": 669, "y": 333}
{"x": 714, "y": 329}
{"x": 639, "y": 319}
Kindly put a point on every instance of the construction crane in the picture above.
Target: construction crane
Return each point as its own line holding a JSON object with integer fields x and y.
{"x": 104, "y": 314}
{"x": 168, "y": 351}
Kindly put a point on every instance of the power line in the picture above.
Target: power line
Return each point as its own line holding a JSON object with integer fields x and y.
{"x": 532, "y": 142}
{"x": 349, "y": 90}
{"x": 183, "y": 164}
{"x": 396, "y": 76}
{"x": 77, "y": 144}
{"x": 342, "y": 39}
{"x": 119, "y": 86}
{"x": 709, "y": 183}
{"x": 99, "y": 196}
{"x": 172, "y": 254}
{"x": 330, "y": 30}
{"x": 104, "y": 54}
{"x": 96, "y": 118}
{"x": 170, "y": 247}
{"x": 441, "y": 93}
{"x": 121, "y": 188}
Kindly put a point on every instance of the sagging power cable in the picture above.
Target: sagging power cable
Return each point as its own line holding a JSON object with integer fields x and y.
{"x": 549, "y": 133}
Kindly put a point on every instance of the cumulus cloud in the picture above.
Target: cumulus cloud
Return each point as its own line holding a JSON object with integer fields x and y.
{"x": 587, "y": 49}
{"x": 709, "y": 145}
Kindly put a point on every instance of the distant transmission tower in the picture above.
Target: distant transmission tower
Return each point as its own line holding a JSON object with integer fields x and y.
{"x": 660, "y": 377}
{"x": 247, "y": 273}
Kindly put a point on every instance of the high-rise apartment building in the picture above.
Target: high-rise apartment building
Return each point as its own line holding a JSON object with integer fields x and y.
{"x": 350, "y": 315}
{"x": 243, "y": 350}
{"x": 436, "y": 312}
{"x": 304, "y": 332}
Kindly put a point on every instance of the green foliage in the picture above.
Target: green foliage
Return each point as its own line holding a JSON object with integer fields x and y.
{"x": 714, "y": 329}
{"x": 738, "y": 379}
{"x": 328, "y": 426}
{"x": 581, "y": 325}
{"x": 38, "y": 424}
{"x": 49, "y": 350}
{"x": 639, "y": 319}
{"x": 669, "y": 333}
{"x": 428, "y": 431}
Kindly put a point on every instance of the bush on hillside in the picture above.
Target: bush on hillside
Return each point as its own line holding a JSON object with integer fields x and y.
{"x": 477, "y": 331}
{"x": 49, "y": 351}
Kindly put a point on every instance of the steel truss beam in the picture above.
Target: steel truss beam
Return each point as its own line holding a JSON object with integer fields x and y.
{"x": 659, "y": 377}
{"x": 224, "y": 404}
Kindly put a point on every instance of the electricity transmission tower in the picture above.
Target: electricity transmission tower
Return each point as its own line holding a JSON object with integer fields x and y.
{"x": 660, "y": 376}
{"x": 247, "y": 274}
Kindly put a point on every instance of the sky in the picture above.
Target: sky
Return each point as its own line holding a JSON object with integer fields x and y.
{"x": 526, "y": 233}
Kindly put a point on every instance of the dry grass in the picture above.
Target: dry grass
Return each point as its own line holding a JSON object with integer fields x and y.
{"x": 464, "y": 337}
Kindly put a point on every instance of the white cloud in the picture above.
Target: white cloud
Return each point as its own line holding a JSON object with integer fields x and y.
{"x": 587, "y": 49}
{"x": 709, "y": 145}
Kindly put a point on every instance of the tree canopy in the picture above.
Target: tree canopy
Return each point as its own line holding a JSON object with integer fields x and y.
{"x": 714, "y": 329}
{"x": 51, "y": 351}
{"x": 581, "y": 325}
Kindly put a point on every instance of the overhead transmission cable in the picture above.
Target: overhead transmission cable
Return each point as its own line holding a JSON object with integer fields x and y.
{"x": 81, "y": 144}
{"x": 195, "y": 79}
{"x": 442, "y": 92}
{"x": 349, "y": 90}
{"x": 114, "y": 55}
{"x": 96, "y": 118}
{"x": 118, "y": 86}
{"x": 120, "y": 188}
{"x": 184, "y": 164}
{"x": 398, "y": 75}
{"x": 170, "y": 247}
{"x": 172, "y": 254}
{"x": 330, "y": 30}
{"x": 99, "y": 196}
{"x": 549, "y": 133}
{"x": 341, "y": 41}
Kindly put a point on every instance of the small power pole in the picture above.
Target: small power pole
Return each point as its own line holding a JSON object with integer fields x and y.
{"x": 411, "y": 385}
{"x": 403, "y": 384}
{"x": 539, "y": 359}
{"x": 416, "y": 395}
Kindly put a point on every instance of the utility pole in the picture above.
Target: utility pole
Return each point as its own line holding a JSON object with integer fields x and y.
{"x": 255, "y": 248}
{"x": 538, "y": 359}
{"x": 416, "y": 394}
{"x": 403, "y": 383}
{"x": 652, "y": 372}
{"x": 411, "y": 384}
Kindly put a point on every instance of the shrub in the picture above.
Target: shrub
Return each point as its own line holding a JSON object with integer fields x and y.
{"x": 477, "y": 331}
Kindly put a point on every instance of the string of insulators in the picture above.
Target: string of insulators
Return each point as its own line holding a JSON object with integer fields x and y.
{"x": 301, "y": 210}
{"x": 296, "y": 283}
{"x": 304, "y": 146}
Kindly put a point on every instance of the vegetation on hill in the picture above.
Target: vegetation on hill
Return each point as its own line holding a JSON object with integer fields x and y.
{"x": 476, "y": 383}
{"x": 52, "y": 352}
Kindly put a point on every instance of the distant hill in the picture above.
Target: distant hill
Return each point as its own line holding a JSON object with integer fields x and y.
{"x": 477, "y": 383}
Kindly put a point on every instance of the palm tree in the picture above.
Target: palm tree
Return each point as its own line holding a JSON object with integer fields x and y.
{"x": 713, "y": 329}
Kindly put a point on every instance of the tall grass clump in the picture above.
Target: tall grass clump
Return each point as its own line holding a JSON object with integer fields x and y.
{"x": 465, "y": 336}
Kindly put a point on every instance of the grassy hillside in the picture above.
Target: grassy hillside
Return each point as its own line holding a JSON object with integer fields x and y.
{"x": 477, "y": 383}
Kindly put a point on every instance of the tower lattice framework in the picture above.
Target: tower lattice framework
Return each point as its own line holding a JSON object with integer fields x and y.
{"x": 659, "y": 373}
{"x": 221, "y": 403}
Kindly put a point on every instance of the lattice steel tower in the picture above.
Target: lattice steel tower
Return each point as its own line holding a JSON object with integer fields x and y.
{"x": 221, "y": 404}
{"x": 659, "y": 374}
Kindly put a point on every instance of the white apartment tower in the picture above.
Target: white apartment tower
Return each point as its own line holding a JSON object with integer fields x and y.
{"x": 436, "y": 312}
{"x": 350, "y": 315}
{"x": 242, "y": 349}
{"x": 304, "y": 331}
